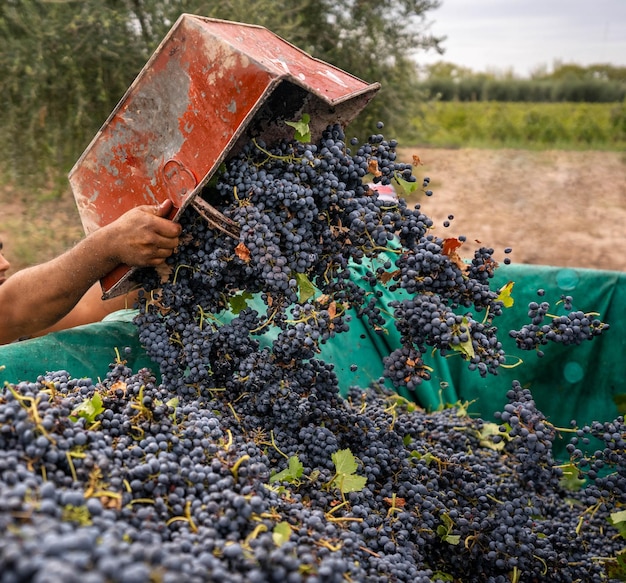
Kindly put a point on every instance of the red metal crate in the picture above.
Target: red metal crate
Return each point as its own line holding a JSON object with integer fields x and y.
{"x": 210, "y": 86}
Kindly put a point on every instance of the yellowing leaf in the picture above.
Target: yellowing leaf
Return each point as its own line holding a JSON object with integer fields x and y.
{"x": 505, "y": 294}
{"x": 281, "y": 533}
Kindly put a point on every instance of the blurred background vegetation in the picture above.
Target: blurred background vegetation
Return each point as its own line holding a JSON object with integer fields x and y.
{"x": 66, "y": 63}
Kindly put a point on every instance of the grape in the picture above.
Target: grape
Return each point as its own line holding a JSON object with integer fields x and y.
{"x": 572, "y": 328}
{"x": 244, "y": 463}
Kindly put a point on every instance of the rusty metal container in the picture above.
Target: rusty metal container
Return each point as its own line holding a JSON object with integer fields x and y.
{"x": 210, "y": 87}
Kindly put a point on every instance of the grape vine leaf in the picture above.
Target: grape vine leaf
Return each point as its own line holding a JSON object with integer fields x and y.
{"x": 618, "y": 520}
{"x": 570, "y": 480}
{"x": 372, "y": 167}
{"x": 239, "y": 302}
{"x": 444, "y": 530}
{"x": 303, "y": 131}
{"x": 505, "y": 296}
{"x": 487, "y": 432}
{"x": 465, "y": 348}
{"x": 89, "y": 409}
{"x": 443, "y": 576}
{"x": 307, "y": 289}
{"x": 346, "y": 479}
{"x": 291, "y": 473}
{"x": 242, "y": 252}
{"x": 406, "y": 186}
{"x": 281, "y": 533}
{"x": 616, "y": 567}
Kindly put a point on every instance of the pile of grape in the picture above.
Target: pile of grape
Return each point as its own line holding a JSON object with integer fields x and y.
{"x": 243, "y": 463}
{"x": 305, "y": 218}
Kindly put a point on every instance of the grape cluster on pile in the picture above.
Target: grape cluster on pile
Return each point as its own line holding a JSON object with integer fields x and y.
{"x": 242, "y": 463}
{"x": 122, "y": 482}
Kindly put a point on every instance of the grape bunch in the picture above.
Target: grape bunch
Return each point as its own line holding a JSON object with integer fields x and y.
{"x": 571, "y": 328}
{"x": 305, "y": 217}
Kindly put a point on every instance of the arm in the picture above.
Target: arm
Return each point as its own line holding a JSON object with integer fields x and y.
{"x": 36, "y": 298}
{"x": 91, "y": 308}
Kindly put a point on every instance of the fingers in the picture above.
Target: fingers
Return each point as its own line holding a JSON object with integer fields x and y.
{"x": 163, "y": 209}
{"x": 144, "y": 236}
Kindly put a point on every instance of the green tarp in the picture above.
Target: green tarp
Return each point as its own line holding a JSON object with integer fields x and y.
{"x": 577, "y": 382}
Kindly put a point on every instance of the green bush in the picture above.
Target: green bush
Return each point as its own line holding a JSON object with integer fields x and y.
{"x": 525, "y": 125}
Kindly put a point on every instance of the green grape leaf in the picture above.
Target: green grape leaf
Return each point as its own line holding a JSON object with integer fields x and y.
{"x": 618, "y": 519}
{"x": 239, "y": 302}
{"x": 570, "y": 480}
{"x": 465, "y": 348}
{"x": 616, "y": 567}
{"x": 505, "y": 296}
{"x": 405, "y": 186}
{"x": 89, "y": 409}
{"x": 443, "y": 530}
{"x": 306, "y": 288}
{"x": 349, "y": 483}
{"x": 346, "y": 479}
{"x": 291, "y": 473}
{"x": 345, "y": 462}
{"x": 281, "y": 533}
{"x": 440, "y": 575}
{"x": 303, "y": 131}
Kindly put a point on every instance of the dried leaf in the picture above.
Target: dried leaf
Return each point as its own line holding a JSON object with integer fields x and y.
{"x": 395, "y": 502}
{"x": 372, "y": 167}
{"x": 416, "y": 160}
{"x": 242, "y": 252}
{"x": 388, "y": 275}
{"x": 332, "y": 310}
{"x": 450, "y": 245}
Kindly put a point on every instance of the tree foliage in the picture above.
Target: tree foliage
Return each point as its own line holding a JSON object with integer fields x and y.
{"x": 66, "y": 63}
{"x": 568, "y": 83}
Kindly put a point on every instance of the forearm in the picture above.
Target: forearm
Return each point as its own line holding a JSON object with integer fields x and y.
{"x": 37, "y": 297}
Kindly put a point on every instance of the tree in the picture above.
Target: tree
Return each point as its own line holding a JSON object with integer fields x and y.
{"x": 66, "y": 63}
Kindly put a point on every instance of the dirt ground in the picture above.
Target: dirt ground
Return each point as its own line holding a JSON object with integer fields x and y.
{"x": 552, "y": 208}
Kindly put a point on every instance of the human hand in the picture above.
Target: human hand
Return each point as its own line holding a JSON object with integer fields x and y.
{"x": 142, "y": 236}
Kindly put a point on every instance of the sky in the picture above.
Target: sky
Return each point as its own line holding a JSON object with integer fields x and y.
{"x": 524, "y": 35}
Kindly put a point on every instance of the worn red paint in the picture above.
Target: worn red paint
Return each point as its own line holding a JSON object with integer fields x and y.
{"x": 209, "y": 87}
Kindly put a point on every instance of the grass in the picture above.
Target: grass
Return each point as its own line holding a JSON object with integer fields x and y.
{"x": 483, "y": 124}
